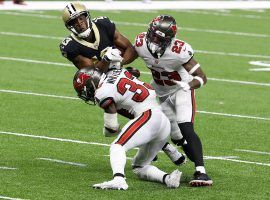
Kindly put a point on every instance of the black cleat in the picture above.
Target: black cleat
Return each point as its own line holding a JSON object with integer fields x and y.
{"x": 200, "y": 179}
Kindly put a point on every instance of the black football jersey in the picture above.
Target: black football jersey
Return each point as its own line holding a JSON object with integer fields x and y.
{"x": 73, "y": 46}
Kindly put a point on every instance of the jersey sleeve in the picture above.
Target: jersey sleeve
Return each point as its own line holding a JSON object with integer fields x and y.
{"x": 104, "y": 96}
{"x": 107, "y": 25}
{"x": 68, "y": 49}
{"x": 186, "y": 53}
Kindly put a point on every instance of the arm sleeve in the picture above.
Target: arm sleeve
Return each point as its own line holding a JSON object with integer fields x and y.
{"x": 68, "y": 49}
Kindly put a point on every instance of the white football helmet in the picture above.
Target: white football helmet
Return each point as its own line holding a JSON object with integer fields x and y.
{"x": 71, "y": 12}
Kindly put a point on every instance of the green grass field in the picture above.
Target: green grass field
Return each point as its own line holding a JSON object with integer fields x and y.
{"x": 31, "y": 120}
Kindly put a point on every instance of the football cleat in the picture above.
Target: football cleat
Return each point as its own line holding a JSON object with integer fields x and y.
{"x": 200, "y": 179}
{"x": 118, "y": 183}
{"x": 173, "y": 179}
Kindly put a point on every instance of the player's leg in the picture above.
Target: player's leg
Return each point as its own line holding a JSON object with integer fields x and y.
{"x": 171, "y": 151}
{"x": 185, "y": 113}
{"x": 141, "y": 162}
{"x": 136, "y": 132}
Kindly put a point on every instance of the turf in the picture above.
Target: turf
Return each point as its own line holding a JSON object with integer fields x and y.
{"x": 73, "y": 119}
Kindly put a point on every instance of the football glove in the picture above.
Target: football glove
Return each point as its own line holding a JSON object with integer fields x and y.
{"x": 183, "y": 85}
{"x": 112, "y": 55}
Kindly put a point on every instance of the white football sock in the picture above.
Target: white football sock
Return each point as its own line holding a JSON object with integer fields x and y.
{"x": 118, "y": 158}
{"x": 201, "y": 169}
{"x": 150, "y": 173}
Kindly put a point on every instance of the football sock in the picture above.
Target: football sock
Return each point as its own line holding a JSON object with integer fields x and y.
{"x": 193, "y": 148}
{"x": 201, "y": 169}
{"x": 117, "y": 159}
{"x": 171, "y": 152}
{"x": 150, "y": 173}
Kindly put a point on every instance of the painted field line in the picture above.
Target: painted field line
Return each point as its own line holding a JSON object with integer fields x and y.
{"x": 146, "y": 25}
{"x": 62, "y": 162}
{"x": 38, "y": 94}
{"x": 142, "y": 72}
{"x": 252, "y": 151}
{"x": 75, "y": 98}
{"x": 31, "y": 35}
{"x": 218, "y": 157}
{"x": 128, "y": 158}
{"x": 11, "y": 198}
{"x": 52, "y": 138}
{"x": 240, "y": 161}
{"x": 233, "y": 115}
{"x": 8, "y": 168}
{"x": 100, "y": 144}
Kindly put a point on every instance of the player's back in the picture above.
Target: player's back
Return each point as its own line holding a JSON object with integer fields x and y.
{"x": 126, "y": 91}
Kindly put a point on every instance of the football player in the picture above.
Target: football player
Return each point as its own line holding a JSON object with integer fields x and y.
{"x": 91, "y": 39}
{"x": 148, "y": 131}
{"x": 175, "y": 74}
{"x": 91, "y": 45}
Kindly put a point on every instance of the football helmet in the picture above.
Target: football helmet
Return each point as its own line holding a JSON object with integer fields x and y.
{"x": 85, "y": 82}
{"x": 71, "y": 12}
{"x": 160, "y": 33}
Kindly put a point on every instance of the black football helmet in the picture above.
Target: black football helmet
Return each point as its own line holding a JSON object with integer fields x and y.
{"x": 85, "y": 82}
{"x": 160, "y": 33}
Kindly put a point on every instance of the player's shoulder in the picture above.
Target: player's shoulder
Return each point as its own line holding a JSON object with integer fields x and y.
{"x": 102, "y": 21}
{"x": 68, "y": 45}
{"x": 141, "y": 35}
{"x": 182, "y": 48}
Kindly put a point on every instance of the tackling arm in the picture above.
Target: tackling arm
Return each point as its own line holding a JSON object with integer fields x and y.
{"x": 81, "y": 62}
{"x": 129, "y": 54}
{"x": 111, "y": 125}
{"x": 194, "y": 69}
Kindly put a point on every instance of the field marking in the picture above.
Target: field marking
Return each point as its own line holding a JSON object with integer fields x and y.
{"x": 142, "y": 72}
{"x": 218, "y": 157}
{"x": 240, "y": 161}
{"x": 62, "y": 162}
{"x": 52, "y": 138}
{"x": 75, "y": 98}
{"x": 233, "y": 115}
{"x": 8, "y": 168}
{"x": 100, "y": 144}
{"x": 11, "y": 198}
{"x": 252, "y": 151}
{"x": 259, "y": 35}
{"x": 31, "y": 35}
{"x": 128, "y": 158}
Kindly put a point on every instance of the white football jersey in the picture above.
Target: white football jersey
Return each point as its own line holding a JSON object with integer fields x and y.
{"x": 168, "y": 67}
{"x": 126, "y": 91}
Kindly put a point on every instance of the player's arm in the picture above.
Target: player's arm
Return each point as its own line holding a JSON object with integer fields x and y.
{"x": 81, "y": 62}
{"x": 129, "y": 54}
{"x": 194, "y": 69}
{"x": 111, "y": 125}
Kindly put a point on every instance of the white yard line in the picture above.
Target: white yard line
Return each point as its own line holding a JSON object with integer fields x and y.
{"x": 240, "y": 161}
{"x": 218, "y": 157}
{"x": 252, "y": 151}
{"x": 142, "y": 72}
{"x": 31, "y": 35}
{"x": 62, "y": 162}
{"x": 11, "y": 198}
{"x": 52, "y": 138}
{"x": 74, "y": 98}
{"x": 100, "y": 144}
{"x": 140, "y": 5}
{"x": 7, "y": 168}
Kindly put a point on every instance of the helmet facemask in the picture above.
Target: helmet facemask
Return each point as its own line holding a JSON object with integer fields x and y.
{"x": 157, "y": 42}
{"x": 85, "y": 83}
{"x": 70, "y": 25}
{"x": 161, "y": 31}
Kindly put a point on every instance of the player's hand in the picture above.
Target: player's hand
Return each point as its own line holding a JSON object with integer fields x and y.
{"x": 112, "y": 55}
{"x": 114, "y": 65}
{"x": 183, "y": 85}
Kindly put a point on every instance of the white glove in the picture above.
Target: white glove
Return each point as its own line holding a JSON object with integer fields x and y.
{"x": 112, "y": 55}
{"x": 183, "y": 85}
